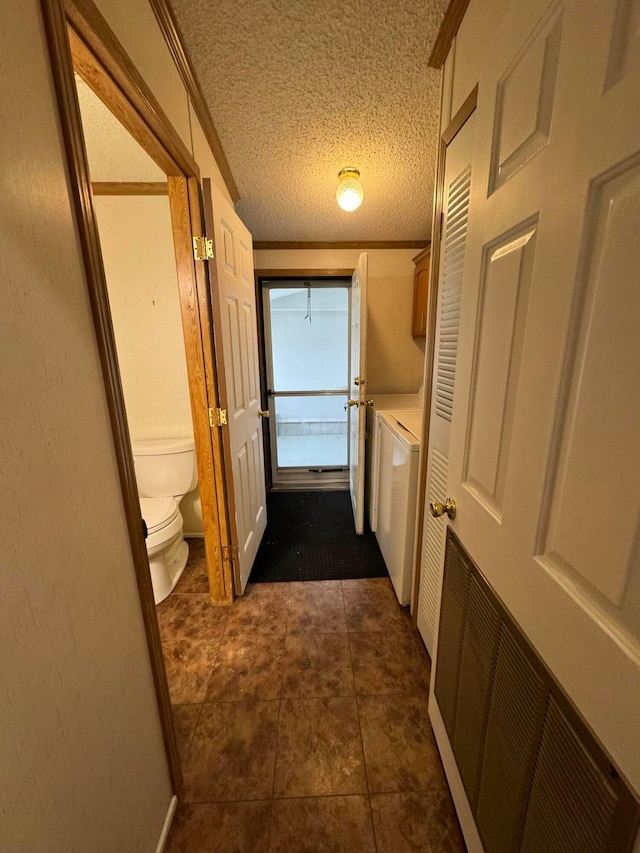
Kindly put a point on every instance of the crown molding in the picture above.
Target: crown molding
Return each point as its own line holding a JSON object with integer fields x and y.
{"x": 371, "y": 244}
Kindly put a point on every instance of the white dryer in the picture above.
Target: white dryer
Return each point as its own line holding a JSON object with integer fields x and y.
{"x": 399, "y": 450}
{"x": 395, "y": 403}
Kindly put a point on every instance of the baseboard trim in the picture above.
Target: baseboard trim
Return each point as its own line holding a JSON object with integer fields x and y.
{"x": 167, "y": 824}
{"x": 463, "y": 809}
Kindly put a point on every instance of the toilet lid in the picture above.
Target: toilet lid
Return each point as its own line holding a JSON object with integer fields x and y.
{"x": 158, "y": 512}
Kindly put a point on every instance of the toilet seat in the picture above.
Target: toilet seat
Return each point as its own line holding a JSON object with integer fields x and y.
{"x": 158, "y": 513}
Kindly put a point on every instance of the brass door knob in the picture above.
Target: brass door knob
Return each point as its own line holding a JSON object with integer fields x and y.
{"x": 263, "y": 413}
{"x": 447, "y": 508}
{"x": 350, "y": 403}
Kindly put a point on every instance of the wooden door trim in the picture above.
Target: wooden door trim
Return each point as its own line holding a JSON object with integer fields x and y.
{"x": 171, "y": 32}
{"x": 105, "y": 66}
{"x": 130, "y": 188}
{"x": 313, "y": 274}
{"x": 447, "y": 32}
{"x": 207, "y": 284}
{"x": 449, "y": 134}
{"x": 211, "y": 292}
{"x": 80, "y": 192}
{"x": 196, "y": 325}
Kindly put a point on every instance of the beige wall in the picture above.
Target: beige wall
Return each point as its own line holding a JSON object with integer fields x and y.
{"x": 139, "y": 261}
{"x": 394, "y": 358}
{"x": 136, "y": 27}
{"x": 82, "y": 763}
{"x": 137, "y": 249}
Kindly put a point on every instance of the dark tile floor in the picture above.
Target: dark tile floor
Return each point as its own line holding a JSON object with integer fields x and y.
{"x": 301, "y": 715}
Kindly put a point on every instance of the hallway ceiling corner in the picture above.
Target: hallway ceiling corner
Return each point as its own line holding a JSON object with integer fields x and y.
{"x": 298, "y": 91}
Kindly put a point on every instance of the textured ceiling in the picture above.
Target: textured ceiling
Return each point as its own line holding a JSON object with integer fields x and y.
{"x": 299, "y": 89}
{"x": 114, "y": 155}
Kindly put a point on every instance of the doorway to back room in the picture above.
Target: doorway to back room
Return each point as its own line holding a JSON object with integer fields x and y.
{"x": 307, "y": 345}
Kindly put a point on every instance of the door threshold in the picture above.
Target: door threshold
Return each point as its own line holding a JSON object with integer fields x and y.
{"x": 332, "y": 486}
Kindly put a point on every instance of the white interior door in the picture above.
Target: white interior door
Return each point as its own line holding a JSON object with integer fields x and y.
{"x": 358, "y": 389}
{"x": 544, "y": 457}
{"x": 455, "y": 206}
{"x": 234, "y": 302}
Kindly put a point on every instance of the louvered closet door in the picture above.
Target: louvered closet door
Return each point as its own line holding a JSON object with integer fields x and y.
{"x": 457, "y": 183}
{"x": 544, "y": 457}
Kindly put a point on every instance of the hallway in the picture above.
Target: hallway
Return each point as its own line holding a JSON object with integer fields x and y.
{"x": 302, "y": 720}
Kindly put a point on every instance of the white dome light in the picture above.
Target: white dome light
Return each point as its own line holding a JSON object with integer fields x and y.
{"x": 349, "y": 194}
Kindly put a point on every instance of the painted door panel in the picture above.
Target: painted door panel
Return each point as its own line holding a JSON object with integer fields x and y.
{"x": 544, "y": 459}
{"x": 358, "y": 389}
{"x": 233, "y": 299}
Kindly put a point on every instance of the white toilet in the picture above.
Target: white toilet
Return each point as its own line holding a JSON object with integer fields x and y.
{"x": 166, "y": 472}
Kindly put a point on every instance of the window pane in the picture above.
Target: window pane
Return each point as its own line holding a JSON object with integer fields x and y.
{"x": 311, "y": 432}
{"x": 309, "y": 338}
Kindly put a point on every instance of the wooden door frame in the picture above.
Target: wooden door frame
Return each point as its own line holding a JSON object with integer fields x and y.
{"x": 451, "y": 131}
{"x": 79, "y": 38}
{"x": 279, "y": 275}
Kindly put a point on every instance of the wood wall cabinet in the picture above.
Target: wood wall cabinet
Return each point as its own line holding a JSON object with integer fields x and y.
{"x": 421, "y": 293}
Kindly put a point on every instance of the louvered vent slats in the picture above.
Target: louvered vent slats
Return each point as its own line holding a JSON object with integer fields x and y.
{"x": 434, "y": 533}
{"x": 572, "y": 804}
{"x": 479, "y": 648}
{"x": 536, "y": 779}
{"x": 455, "y": 238}
{"x": 455, "y": 587}
{"x": 513, "y": 730}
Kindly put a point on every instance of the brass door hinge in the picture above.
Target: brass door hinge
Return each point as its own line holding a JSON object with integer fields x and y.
{"x": 203, "y": 248}
{"x": 217, "y": 417}
{"x": 229, "y": 554}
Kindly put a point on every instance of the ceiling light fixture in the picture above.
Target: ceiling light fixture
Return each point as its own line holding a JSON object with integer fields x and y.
{"x": 349, "y": 194}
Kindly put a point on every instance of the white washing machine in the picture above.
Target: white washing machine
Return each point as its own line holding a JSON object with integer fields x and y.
{"x": 396, "y": 403}
{"x": 398, "y": 455}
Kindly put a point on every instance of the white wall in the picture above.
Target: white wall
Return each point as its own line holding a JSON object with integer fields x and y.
{"x": 395, "y": 359}
{"x": 82, "y": 762}
{"x": 139, "y": 261}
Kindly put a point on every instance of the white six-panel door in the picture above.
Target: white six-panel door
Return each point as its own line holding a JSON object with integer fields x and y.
{"x": 544, "y": 455}
{"x": 235, "y": 302}
{"x": 358, "y": 389}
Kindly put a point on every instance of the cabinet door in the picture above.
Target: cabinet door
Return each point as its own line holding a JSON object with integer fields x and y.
{"x": 421, "y": 294}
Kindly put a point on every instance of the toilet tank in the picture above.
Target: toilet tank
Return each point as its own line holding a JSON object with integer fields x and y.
{"x": 165, "y": 467}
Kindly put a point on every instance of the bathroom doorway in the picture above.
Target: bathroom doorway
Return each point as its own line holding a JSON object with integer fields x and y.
{"x": 133, "y": 216}
{"x": 305, "y": 353}
{"x": 86, "y": 46}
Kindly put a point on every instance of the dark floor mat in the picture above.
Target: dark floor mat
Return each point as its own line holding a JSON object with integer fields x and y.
{"x": 310, "y": 536}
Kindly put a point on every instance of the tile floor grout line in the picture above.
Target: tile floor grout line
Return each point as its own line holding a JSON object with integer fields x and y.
{"x": 183, "y": 764}
{"x": 364, "y": 758}
{"x": 275, "y": 755}
{"x": 435, "y": 789}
